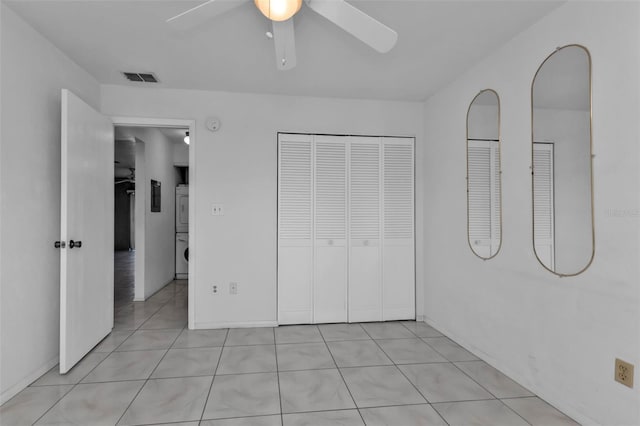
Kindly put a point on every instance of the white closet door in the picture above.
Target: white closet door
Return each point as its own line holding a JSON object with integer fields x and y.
{"x": 295, "y": 229}
{"x": 543, "y": 203}
{"x": 398, "y": 252}
{"x": 330, "y": 279}
{"x": 365, "y": 286}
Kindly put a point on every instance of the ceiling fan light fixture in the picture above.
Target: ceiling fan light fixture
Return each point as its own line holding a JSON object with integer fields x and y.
{"x": 186, "y": 138}
{"x": 278, "y": 10}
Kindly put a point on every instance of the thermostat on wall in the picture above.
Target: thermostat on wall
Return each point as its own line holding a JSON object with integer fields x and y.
{"x": 213, "y": 124}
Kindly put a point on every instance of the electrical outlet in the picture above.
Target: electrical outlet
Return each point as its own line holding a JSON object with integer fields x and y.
{"x": 217, "y": 210}
{"x": 215, "y": 289}
{"x": 233, "y": 288}
{"x": 624, "y": 373}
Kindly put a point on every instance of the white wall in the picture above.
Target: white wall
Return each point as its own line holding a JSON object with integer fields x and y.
{"x": 181, "y": 154}
{"x": 140, "y": 214}
{"x": 237, "y": 167}
{"x": 155, "y": 231}
{"x": 33, "y": 72}
{"x": 557, "y": 336}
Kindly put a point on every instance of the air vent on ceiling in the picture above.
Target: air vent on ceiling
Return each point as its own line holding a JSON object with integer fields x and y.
{"x": 141, "y": 77}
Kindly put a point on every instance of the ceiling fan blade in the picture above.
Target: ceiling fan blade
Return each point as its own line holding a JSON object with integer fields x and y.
{"x": 285, "y": 42}
{"x": 357, "y": 23}
{"x": 202, "y": 13}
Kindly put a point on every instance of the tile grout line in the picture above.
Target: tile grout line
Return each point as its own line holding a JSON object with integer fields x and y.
{"x": 74, "y": 385}
{"x": 206, "y": 401}
{"x": 483, "y": 387}
{"x": 54, "y": 404}
{"x": 150, "y": 374}
{"x": 275, "y": 350}
{"x": 404, "y": 375}
{"x": 342, "y": 376}
{"x": 472, "y": 379}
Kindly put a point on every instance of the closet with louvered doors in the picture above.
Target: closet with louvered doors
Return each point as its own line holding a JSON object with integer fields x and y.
{"x": 345, "y": 229}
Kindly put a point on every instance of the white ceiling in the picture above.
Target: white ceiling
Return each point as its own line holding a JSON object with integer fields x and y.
{"x": 438, "y": 40}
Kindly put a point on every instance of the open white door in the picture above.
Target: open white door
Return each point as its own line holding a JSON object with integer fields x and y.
{"x": 86, "y": 261}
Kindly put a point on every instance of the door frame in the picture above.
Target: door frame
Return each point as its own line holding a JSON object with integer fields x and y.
{"x": 182, "y": 123}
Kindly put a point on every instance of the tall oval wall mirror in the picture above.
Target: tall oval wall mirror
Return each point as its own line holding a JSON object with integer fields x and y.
{"x": 563, "y": 231}
{"x": 484, "y": 186}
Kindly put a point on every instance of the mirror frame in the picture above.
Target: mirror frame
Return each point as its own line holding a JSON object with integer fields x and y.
{"x": 593, "y": 230}
{"x": 500, "y": 165}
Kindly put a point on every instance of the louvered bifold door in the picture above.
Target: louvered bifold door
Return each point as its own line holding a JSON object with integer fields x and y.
{"x": 330, "y": 278}
{"x": 479, "y": 198}
{"x": 295, "y": 229}
{"x": 484, "y": 210}
{"x": 496, "y": 197}
{"x": 365, "y": 286}
{"x": 543, "y": 203}
{"x": 398, "y": 259}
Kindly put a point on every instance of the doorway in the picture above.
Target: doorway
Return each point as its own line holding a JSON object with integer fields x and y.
{"x": 124, "y": 220}
{"x": 152, "y": 166}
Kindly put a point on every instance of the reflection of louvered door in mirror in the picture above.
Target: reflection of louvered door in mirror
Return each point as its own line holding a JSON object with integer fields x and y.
{"x": 543, "y": 200}
{"x": 330, "y": 207}
{"x": 483, "y": 176}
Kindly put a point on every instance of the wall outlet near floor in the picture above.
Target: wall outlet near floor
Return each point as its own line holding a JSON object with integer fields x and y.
{"x": 214, "y": 289}
{"x": 624, "y": 373}
{"x": 217, "y": 210}
{"x": 233, "y": 288}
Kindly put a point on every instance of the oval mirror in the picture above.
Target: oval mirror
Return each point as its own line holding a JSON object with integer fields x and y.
{"x": 484, "y": 197}
{"x": 563, "y": 234}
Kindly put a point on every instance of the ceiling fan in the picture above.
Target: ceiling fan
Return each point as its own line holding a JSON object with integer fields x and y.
{"x": 131, "y": 178}
{"x": 281, "y": 12}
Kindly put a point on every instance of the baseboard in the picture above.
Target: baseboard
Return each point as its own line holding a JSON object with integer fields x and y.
{"x": 26, "y": 381}
{"x": 234, "y": 324}
{"x": 137, "y": 299}
{"x": 420, "y": 318}
{"x": 545, "y": 394}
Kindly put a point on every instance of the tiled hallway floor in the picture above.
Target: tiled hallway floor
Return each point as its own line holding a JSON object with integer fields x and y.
{"x": 152, "y": 370}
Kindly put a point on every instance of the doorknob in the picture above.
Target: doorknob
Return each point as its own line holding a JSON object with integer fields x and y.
{"x": 73, "y": 244}
{"x": 59, "y": 244}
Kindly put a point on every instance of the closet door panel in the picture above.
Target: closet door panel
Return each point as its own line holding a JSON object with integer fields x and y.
{"x": 330, "y": 287}
{"x": 365, "y": 290}
{"x": 365, "y": 297}
{"x": 294, "y": 284}
{"x": 330, "y": 278}
{"x": 398, "y": 293}
{"x": 398, "y": 250}
{"x": 295, "y": 229}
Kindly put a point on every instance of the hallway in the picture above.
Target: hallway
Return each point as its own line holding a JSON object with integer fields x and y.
{"x": 123, "y": 276}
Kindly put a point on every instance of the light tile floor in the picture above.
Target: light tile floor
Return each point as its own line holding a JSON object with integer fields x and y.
{"x": 152, "y": 370}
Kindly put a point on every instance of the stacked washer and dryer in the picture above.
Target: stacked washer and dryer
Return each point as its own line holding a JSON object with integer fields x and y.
{"x": 182, "y": 232}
